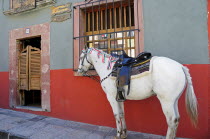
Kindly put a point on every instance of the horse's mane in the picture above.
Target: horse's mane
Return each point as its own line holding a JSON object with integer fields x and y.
{"x": 104, "y": 55}
{"x": 99, "y": 51}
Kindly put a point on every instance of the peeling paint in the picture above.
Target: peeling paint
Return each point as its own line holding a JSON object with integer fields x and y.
{"x": 45, "y": 83}
{"x": 44, "y": 91}
{"x": 45, "y": 68}
{"x": 12, "y": 71}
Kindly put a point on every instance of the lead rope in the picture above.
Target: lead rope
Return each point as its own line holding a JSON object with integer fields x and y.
{"x": 105, "y": 77}
{"x": 96, "y": 79}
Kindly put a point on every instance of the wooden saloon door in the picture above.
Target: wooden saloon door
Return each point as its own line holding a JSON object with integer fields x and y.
{"x": 23, "y": 70}
{"x": 34, "y": 68}
{"x": 30, "y": 69}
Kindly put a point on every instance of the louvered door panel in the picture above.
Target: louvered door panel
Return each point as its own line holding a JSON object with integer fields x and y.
{"x": 34, "y": 69}
{"x": 23, "y": 70}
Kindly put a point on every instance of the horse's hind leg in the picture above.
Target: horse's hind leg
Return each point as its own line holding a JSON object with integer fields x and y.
{"x": 170, "y": 109}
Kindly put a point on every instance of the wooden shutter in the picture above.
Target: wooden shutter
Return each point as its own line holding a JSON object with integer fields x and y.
{"x": 23, "y": 70}
{"x": 30, "y": 69}
{"x": 34, "y": 68}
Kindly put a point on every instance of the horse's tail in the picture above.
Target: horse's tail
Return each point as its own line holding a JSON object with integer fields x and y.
{"x": 190, "y": 99}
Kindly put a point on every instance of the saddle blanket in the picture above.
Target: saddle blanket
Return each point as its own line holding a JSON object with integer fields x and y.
{"x": 138, "y": 70}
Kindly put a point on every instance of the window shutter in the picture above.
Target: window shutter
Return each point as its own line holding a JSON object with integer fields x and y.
{"x": 23, "y": 70}
{"x": 34, "y": 68}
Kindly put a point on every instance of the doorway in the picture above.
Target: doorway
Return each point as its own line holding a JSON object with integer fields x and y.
{"x": 37, "y": 36}
{"x": 29, "y": 72}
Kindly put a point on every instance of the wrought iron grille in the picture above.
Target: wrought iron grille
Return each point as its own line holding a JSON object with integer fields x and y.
{"x": 108, "y": 25}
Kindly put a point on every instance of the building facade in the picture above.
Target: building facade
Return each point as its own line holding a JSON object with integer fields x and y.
{"x": 40, "y": 42}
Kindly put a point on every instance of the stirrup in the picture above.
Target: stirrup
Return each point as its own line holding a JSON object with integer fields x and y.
{"x": 120, "y": 97}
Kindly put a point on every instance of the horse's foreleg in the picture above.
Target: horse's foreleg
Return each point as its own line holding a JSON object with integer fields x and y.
{"x": 118, "y": 110}
{"x": 122, "y": 117}
{"x": 119, "y": 126}
{"x": 171, "y": 113}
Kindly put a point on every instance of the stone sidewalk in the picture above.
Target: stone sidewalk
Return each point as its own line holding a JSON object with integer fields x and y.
{"x": 20, "y": 125}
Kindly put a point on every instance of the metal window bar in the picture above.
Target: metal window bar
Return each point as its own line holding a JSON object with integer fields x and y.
{"x": 121, "y": 10}
{"x": 79, "y": 33}
{"x": 107, "y": 49}
{"x": 138, "y": 24}
{"x": 107, "y": 33}
{"x": 93, "y": 38}
{"x": 113, "y": 26}
{"x": 99, "y": 19}
{"x": 129, "y": 9}
{"x": 86, "y": 28}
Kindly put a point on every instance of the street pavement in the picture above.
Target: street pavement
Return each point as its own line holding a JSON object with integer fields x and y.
{"x": 20, "y": 125}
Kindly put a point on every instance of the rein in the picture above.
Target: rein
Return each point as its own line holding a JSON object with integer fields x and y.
{"x": 92, "y": 77}
{"x": 96, "y": 79}
{"x": 106, "y": 77}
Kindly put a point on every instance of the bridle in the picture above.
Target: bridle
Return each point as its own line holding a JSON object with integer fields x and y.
{"x": 85, "y": 57}
{"x": 85, "y": 73}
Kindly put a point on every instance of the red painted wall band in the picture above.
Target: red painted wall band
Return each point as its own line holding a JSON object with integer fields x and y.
{"x": 208, "y": 10}
{"x": 4, "y": 89}
{"x": 82, "y": 99}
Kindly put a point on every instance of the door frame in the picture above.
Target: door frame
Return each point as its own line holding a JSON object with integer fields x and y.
{"x": 42, "y": 30}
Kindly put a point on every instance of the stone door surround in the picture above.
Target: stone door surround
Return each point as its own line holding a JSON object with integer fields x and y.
{"x": 15, "y": 35}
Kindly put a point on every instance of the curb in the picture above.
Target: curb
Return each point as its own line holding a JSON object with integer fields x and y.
{"x": 7, "y": 135}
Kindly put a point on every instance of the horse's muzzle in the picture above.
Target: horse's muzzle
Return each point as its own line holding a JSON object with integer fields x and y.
{"x": 80, "y": 71}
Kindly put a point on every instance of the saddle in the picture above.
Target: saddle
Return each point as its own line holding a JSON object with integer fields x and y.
{"x": 127, "y": 66}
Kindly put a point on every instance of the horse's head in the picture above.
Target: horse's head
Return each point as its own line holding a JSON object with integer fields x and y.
{"x": 85, "y": 62}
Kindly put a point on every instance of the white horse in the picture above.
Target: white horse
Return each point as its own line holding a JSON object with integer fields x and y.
{"x": 166, "y": 79}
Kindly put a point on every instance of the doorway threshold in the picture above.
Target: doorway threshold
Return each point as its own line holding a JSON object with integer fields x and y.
{"x": 29, "y": 108}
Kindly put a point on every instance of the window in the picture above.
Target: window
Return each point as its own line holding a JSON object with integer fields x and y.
{"x": 22, "y": 5}
{"x": 115, "y": 26}
{"x": 109, "y": 25}
{"x": 19, "y": 6}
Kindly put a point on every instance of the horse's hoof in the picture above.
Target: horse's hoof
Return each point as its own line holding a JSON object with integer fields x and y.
{"x": 123, "y": 136}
